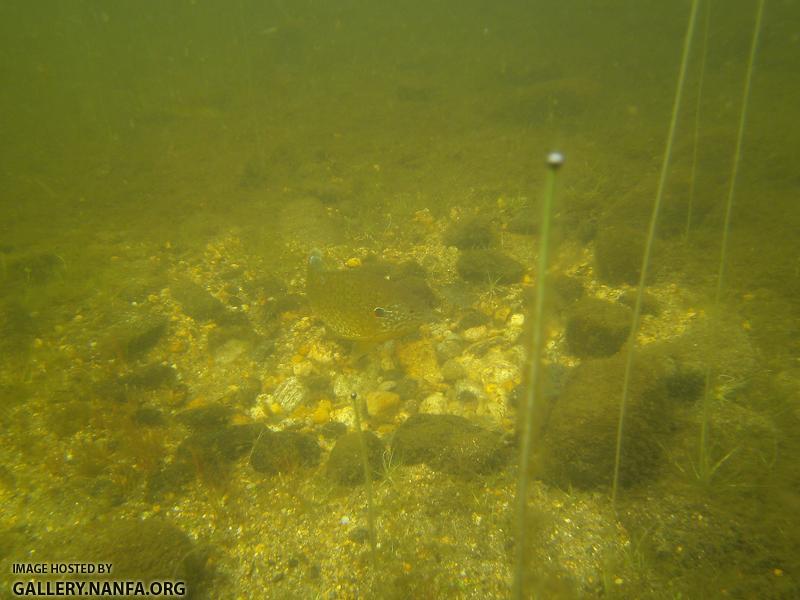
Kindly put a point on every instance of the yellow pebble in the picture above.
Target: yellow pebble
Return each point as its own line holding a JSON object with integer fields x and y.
{"x": 381, "y": 403}
{"x": 322, "y": 414}
{"x": 240, "y": 419}
{"x": 353, "y": 262}
{"x": 777, "y": 572}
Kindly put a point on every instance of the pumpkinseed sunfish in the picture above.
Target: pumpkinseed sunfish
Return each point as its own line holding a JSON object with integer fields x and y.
{"x": 364, "y": 303}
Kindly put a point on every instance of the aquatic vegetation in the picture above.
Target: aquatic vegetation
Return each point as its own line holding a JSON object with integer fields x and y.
{"x": 707, "y": 467}
{"x": 536, "y": 349}
{"x": 637, "y": 309}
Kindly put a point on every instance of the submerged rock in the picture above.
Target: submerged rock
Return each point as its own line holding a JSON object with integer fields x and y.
{"x": 290, "y": 394}
{"x": 473, "y": 232}
{"x": 597, "y": 327}
{"x": 449, "y": 443}
{"x": 579, "y": 442}
{"x": 482, "y": 266}
{"x": 618, "y": 255}
{"x": 283, "y": 451}
{"x": 138, "y": 337}
{"x": 142, "y": 550}
{"x": 345, "y": 464}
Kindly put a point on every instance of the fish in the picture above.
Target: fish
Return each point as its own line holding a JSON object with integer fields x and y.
{"x": 364, "y": 303}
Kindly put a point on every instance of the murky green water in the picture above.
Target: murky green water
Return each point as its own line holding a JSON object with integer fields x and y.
{"x": 172, "y": 405}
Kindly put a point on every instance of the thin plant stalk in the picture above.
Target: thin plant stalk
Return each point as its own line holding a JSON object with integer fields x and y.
{"x": 554, "y": 162}
{"x": 705, "y": 468}
{"x": 696, "y": 136}
{"x": 651, "y": 233}
{"x": 362, "y": 441}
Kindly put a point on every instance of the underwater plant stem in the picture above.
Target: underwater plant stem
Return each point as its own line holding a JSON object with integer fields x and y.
{"x": 651, "y": 233}
{"x": 373, "y": 538}
{"x": 705, "y": 470}
{"x": 554, "y": 162}
{"x": 695, "y": 141}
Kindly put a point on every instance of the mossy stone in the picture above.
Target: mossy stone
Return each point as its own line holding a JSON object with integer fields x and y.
{"x": 618, "y": 255}
{"x": 345, "y": 464}
{"x": 283, "y": 451}
{"x": 142, "y": 550}
{"x": 597, "y": 327}
{"x": 199, "y": 304}
{"x": 569, "y": 289}
{"x": 525, "y": 221}
{"x": 472, "y": 232}
{"x": 579, "y": 441}
{"x": 449, "y": 443}
{"x": 650, "y": 304}
{"x": 150, "y": 377}
{"x": 148, "y": 416}
{"x": 208, "y": 417}
{"x": 235, "y": 441}
{"x": 484, "y": 265}
{"x": 141, "y": 336}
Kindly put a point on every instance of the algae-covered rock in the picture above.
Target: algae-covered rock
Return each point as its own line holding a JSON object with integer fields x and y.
{"x": 345, "y": 465}
{"x": 473, "y": 232}
{"x": 597, "y": 327}
{"x": 618, "y": 255}
{"x": 208, "y": 416}
{"x": 139, "y": 550}
{"x": 579, "y": 441}
{"x": 150, "y": 377}
{"x": 568, "y": 289}
{"x": 449, "y": 443}
{"x": 199, "y": 304}
{"x": 489, "y": 265}
{"x": 138, "y": 336}
{"x": 283, "y": 451}
{"x": 525, "y": 220}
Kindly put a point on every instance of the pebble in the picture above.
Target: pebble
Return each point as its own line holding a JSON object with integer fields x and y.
{"x": 449, "y": 347}
{"x": 435, "y": 404}
{"x": 380, "y": 403}
{"x": 303, "y": 368}
{"x": 473, "y": 334}
{"x": 453, "y": 370}
{"x": 517, "y": 320}
{"x": 322, "y": 414}
{"x": 290, "y": 394}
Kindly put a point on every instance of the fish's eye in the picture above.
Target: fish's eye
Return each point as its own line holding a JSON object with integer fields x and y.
{"x": 379, "y": 311}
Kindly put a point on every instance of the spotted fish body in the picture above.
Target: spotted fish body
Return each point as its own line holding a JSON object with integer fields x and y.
{"x": 361, "y": 304}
